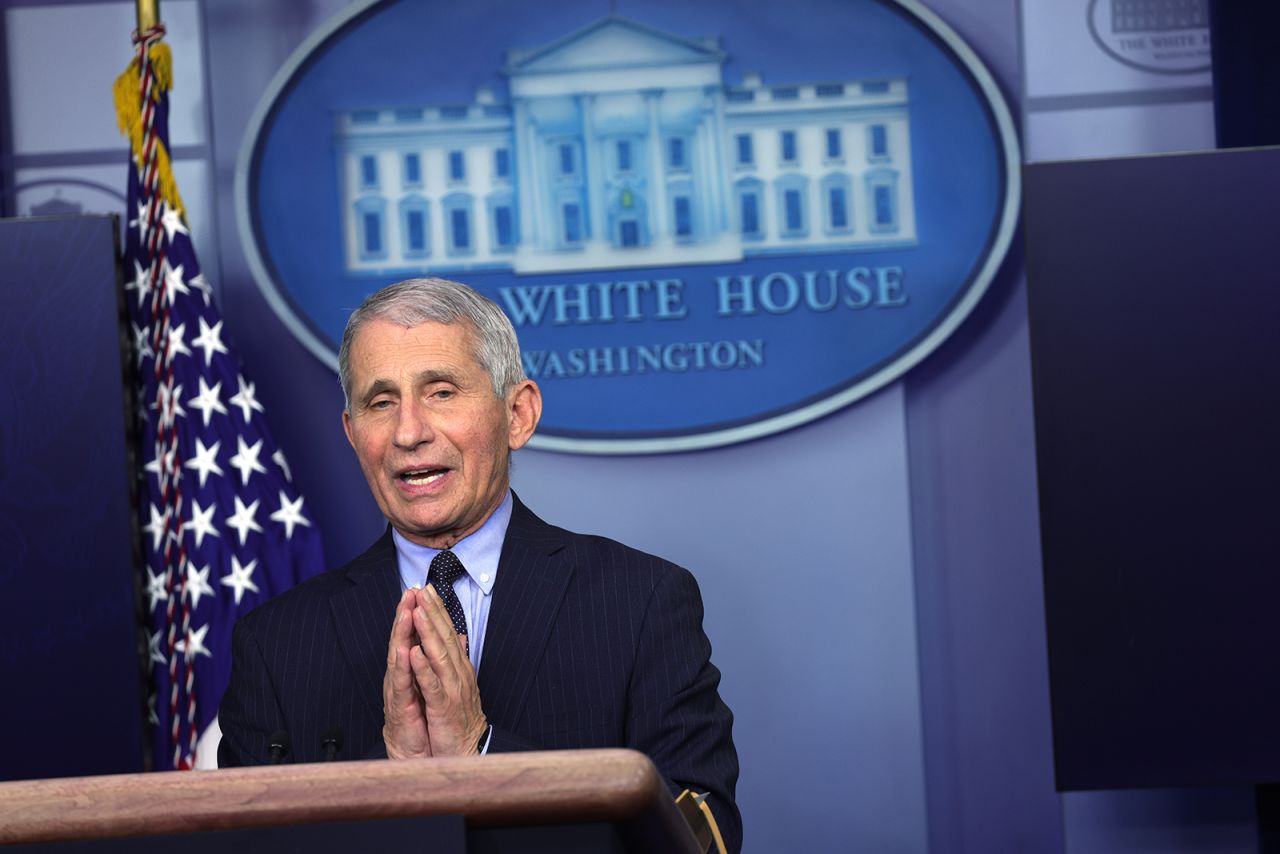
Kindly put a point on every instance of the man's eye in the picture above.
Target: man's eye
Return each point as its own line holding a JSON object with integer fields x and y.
{"x": 443, "y": 393}
{"x": 380, "y": 404}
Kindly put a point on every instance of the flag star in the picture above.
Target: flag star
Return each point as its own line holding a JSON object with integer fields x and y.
{"x": 141, "y": 282}
{"x": 241, "y": 578}
{"x": 193, "y": 644}
{"x": 246, "y": 400}
{"x": 198, "y": 583}
{"x": 151, "y": 710}
{"x": 169, "y": 403}
{"x": 155, "y": 588}
{"x": 209, "y": 340}
{"x": 206, "y": 460}
{"x": 142, "y": 343}
{"x": 200, "y": 283}
{"x": 173, "y": 283}
{"x": 153, "y": 642}
{"x": 243, "y": 519}
{"x": 289, "y": 514}
{"x": 201, "y": 524}
{"x": 156, "y": 527}
{"x": 278, "y": 459}
{"x": 171, "y": 219}
{"x": 141, "y": 222}
{"x": 246, "y": 459}
{"x": 175, "y": 345}
{"x": 208, "y": 401}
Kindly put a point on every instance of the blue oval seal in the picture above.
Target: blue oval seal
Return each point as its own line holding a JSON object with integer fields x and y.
{"x": 709, "y": 222}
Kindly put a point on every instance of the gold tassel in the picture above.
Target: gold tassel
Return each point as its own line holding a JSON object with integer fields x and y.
{"x": 129, "y": 118}
{"x": 161, "y": 67}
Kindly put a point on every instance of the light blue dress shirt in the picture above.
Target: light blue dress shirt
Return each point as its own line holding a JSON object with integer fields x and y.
{"x": 479, "y": 554}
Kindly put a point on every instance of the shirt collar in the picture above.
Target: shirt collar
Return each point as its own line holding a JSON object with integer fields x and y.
{"x": 479, "y": 552}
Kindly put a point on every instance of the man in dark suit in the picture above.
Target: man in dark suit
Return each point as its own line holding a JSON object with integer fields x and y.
{"x": 585, "y": 642}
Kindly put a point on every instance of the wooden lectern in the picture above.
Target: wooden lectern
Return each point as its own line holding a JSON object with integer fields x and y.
{"x": 572, "y": 800}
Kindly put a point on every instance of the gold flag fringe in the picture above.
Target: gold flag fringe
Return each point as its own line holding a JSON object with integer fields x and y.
{"x": 129, "y": 117}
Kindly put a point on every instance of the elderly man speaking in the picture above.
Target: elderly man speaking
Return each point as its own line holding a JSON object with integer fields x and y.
{"x": 472, "y": 626}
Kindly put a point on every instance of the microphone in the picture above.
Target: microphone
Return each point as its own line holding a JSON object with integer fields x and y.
{"x": 278, "y": 746}
{"x": 331, "y": 743}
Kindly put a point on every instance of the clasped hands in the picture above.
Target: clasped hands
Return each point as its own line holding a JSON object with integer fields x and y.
{"x": 430, "y": 698}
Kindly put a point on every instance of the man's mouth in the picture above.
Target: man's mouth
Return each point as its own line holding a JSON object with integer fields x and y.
{"x": 421, "y": 477}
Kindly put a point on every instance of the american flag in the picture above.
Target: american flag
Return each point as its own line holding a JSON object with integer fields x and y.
{"x": 224, "y": 527}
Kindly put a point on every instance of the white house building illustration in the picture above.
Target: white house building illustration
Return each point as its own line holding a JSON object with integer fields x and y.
{"x": 621, "y": 146}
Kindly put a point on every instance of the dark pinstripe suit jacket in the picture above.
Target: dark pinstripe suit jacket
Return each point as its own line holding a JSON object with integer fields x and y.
{"x": 589, "y": 644}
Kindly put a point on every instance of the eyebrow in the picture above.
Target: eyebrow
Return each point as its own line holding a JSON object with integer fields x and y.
{"x": 375, "y": 388}
{"x": 430, "y": 375}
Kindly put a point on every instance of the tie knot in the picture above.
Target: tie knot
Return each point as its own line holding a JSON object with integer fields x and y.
{"x": 445, "y": 569}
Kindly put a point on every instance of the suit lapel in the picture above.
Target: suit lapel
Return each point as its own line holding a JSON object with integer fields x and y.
{"x": 362, "y": 615}
{"x": 533, "y": 574}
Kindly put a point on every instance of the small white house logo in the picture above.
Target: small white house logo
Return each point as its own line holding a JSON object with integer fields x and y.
{"x": 620, "y": 146}
{"x": 1164, "y": 36}
{"x": 708, "y": 222}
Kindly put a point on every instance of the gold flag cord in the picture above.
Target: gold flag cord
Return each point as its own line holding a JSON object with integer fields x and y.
{"x": 129, "y": 116}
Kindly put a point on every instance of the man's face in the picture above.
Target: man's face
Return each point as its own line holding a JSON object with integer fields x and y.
{"x": 431, "y": 436}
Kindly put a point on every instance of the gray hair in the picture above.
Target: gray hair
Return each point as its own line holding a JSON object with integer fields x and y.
{"x": 415, "y": 301}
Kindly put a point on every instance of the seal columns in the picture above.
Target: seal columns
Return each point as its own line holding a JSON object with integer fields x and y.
{"x": 660, "y": 216}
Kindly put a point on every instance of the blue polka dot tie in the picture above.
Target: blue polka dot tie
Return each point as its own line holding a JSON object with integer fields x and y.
{"x": 446, "y": 569}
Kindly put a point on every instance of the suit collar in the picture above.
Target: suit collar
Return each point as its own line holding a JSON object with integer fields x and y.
{"x": 363, "y": 612}
{"x": 533, "y": 575}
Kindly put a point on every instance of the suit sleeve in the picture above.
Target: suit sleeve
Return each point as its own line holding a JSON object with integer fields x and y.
{"x": 675, "y": 713}
{"x": 502, "y": 741}
{"x": 249, "y": 712}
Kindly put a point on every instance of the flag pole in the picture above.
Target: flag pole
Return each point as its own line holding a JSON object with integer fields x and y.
{"x": 148, "y": 14}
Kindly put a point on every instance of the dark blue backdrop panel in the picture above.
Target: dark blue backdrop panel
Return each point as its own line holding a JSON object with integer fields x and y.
{"x": 69, "y": 662}
{"x": 1155, "y": 360}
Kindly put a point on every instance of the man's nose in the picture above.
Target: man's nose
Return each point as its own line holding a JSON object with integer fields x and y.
{"x": 413, "y": 425}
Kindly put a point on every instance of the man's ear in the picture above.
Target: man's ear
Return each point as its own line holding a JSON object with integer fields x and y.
{"x": 524, "y": 408}
{"x": 346, "y": 427}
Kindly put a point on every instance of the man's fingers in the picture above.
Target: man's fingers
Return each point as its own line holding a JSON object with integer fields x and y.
{"x": 456, "y": 642}
{"x": 399, "y": 678}
{"x": 429, "y": 683}
{"x": 435, "y": 620}
{"x": 446, "y": 679}
{"x": 402, "y": 626}
{"x": 399, "y": 674}
{"x": 431, "y": 642}
{"x": 404, "y": 730}
{"x": 398, "y": 649}
{"x": 435, "y": 642}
